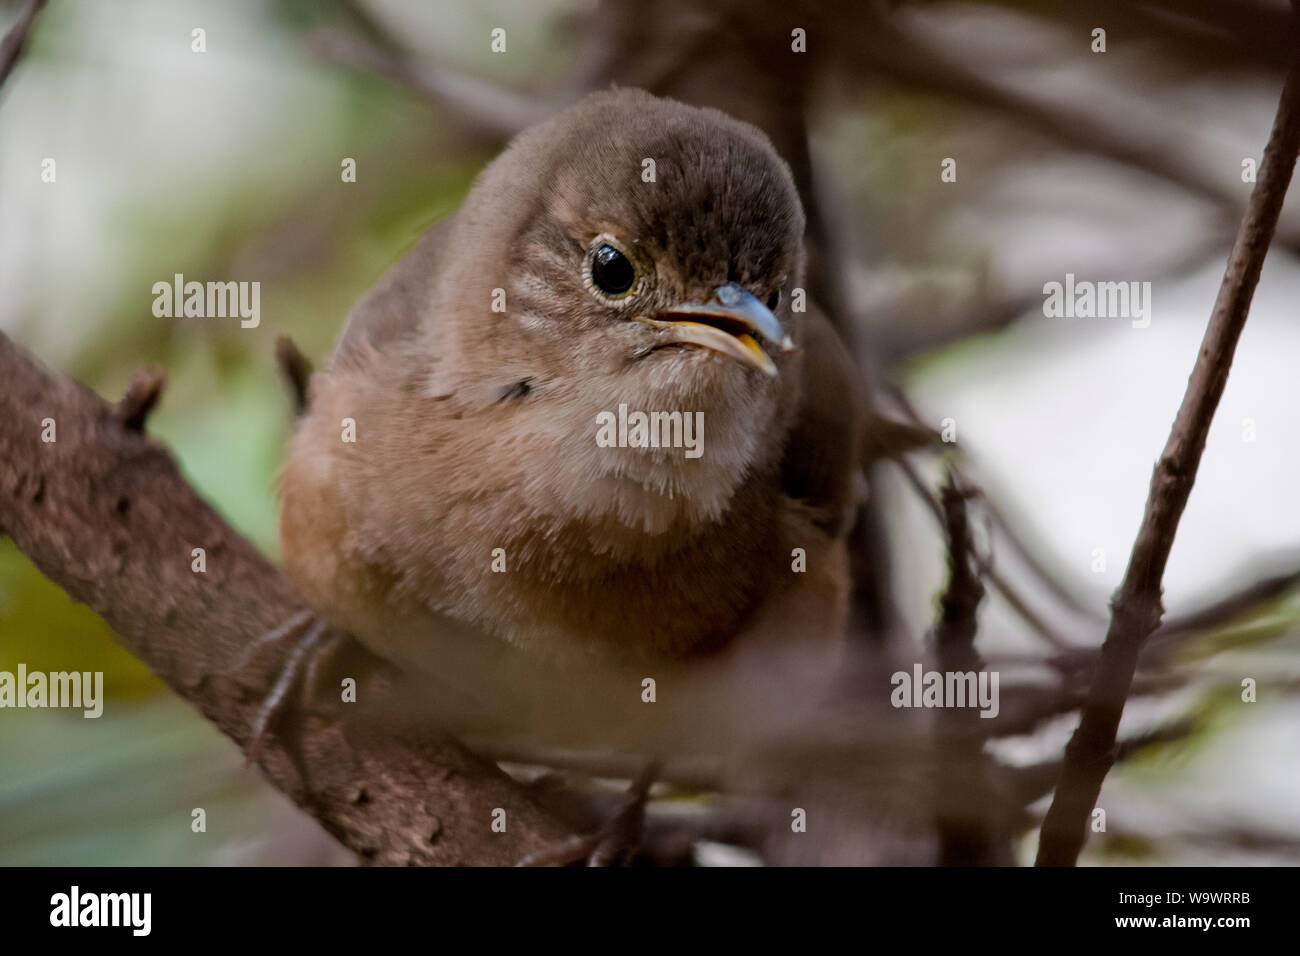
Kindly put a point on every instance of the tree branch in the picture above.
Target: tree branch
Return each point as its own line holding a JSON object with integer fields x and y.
{"x": 104, "y": 513}
{"x": 1137, "y": 608}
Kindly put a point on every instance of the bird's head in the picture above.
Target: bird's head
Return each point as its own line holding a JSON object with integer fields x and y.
{"x": 635, "y": 252}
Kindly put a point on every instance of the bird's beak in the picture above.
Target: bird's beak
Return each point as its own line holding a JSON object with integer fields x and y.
{"x": 731, "y": 324}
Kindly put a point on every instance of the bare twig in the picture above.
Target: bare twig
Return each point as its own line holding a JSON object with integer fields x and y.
{"x": 1174, "y": 632}
{"x": 141, "y": 396}
{"x": 295, "y": 369}
{"x": 965, "y": 813}
{"x": 1226, "y": 608}
{"x": 1137, "y": 607}
{"x": 1067, "y": 598}
{"x": 1004, "y": 587}
{"x": 1026, "y": 784}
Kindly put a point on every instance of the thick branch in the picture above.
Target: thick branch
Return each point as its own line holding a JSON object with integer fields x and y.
{"x": 1136, "y": 609}
{"x": 104, "y": 513}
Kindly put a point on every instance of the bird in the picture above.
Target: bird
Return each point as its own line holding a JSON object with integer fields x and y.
{"x": 587, "y": 458}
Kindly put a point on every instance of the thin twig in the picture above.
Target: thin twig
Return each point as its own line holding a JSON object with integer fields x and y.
{"x": 965, "y": 813}
{"x": 1059, "y": 590}
{"x": 141, "y": 397}
{"x": 295, "y": 369}
{"x": 994, "y": 577}
{"x": 1137, "y": 607}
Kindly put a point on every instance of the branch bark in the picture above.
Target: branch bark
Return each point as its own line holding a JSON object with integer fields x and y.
{"x": 104, "y": 513}
{"x": 1137, "y": 609}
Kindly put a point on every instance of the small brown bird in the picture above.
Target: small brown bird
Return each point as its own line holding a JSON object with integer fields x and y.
{"x": 590, "y": 432}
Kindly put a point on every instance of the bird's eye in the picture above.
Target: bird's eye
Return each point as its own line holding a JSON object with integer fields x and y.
{"x": 774, "y": 300}
{"x": 611, "y": 272}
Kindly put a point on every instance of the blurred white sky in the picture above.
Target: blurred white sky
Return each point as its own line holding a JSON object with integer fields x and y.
{"x": 1066, "y": 417}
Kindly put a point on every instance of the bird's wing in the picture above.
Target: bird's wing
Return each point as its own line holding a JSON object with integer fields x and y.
{"x": 394, "y": 308}
{"x": 822, "y": 454}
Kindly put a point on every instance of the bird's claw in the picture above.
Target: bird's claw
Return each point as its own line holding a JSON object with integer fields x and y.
{"x": 614, "y": 843}
{"x": 296, "y": 682}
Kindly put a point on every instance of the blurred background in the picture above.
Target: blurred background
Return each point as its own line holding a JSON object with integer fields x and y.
{"x": 1119, "y": 156}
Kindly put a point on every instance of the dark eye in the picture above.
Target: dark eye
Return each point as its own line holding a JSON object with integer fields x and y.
{"x": 611, "y": 272}
{"x": 774, "y": 300}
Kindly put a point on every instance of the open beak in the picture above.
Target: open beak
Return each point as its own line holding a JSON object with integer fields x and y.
{"x": 731, "y": 324}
